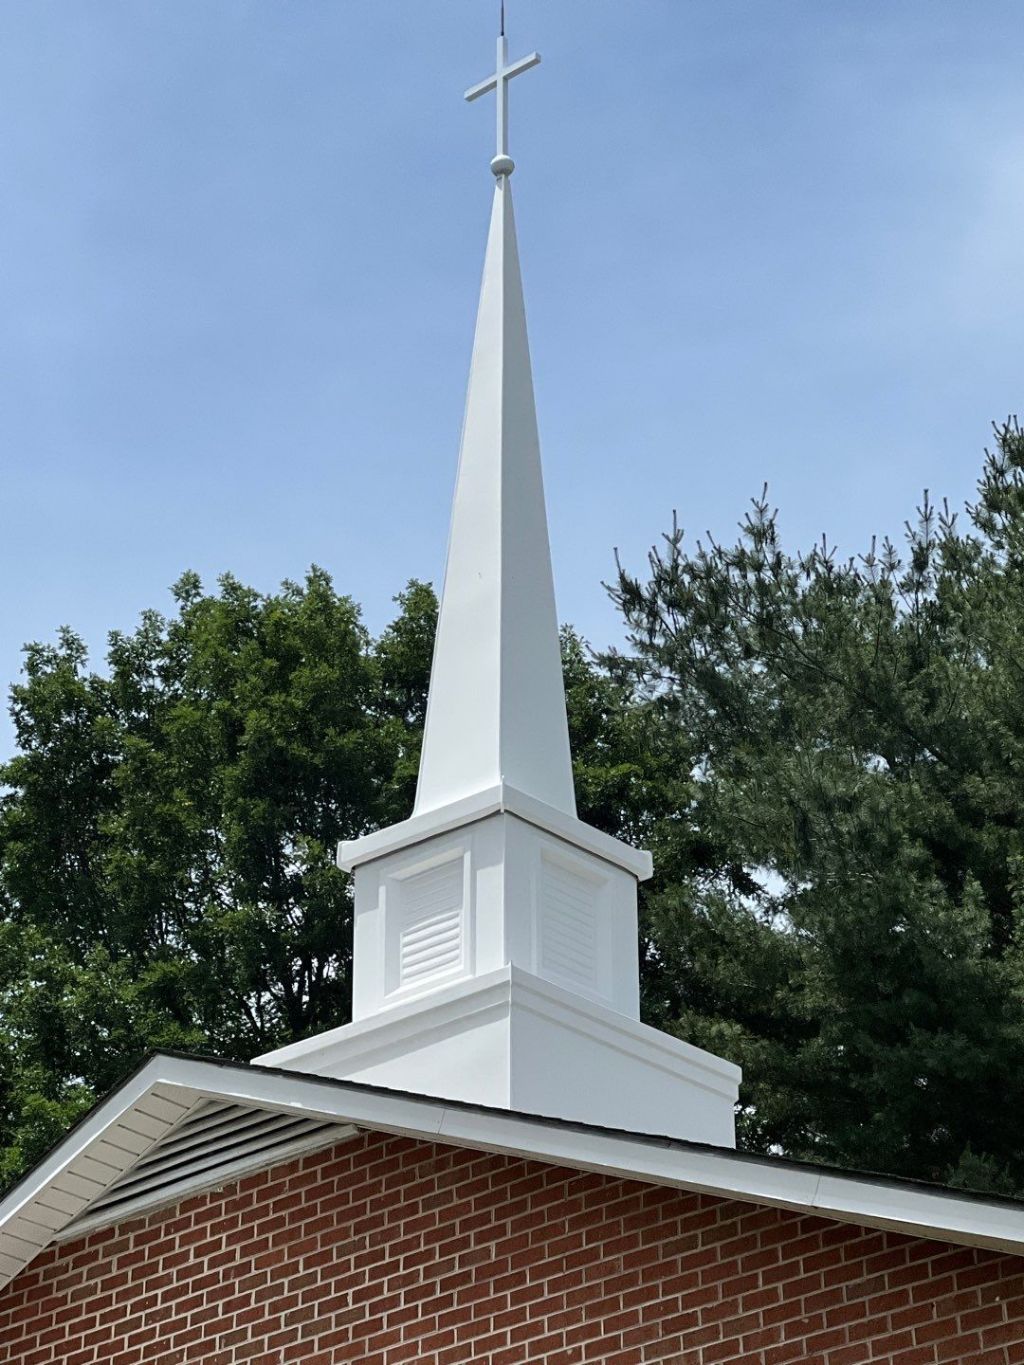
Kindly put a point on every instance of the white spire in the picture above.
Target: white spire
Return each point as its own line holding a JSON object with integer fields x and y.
{"x": 496, "y": 708}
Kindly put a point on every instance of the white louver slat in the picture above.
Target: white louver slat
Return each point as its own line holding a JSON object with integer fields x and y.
{"x": 214, "y": 1143}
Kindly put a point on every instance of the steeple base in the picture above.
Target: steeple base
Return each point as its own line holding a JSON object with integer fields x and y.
{"x": 514, "y": 1041}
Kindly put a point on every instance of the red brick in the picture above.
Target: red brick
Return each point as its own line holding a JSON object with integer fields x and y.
{"x": 386, "y": 1250}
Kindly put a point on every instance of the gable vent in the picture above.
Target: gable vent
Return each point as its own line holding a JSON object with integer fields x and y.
{"x": 568, "y": 928}
{"x": 213, "y": 1144}
{"x": 431, "y": 928}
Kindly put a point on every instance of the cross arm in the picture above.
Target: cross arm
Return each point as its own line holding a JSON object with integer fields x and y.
{"x": 516, "y": 69}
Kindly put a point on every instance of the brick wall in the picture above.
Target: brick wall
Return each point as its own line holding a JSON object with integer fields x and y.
{"x": 383, "y": 1250}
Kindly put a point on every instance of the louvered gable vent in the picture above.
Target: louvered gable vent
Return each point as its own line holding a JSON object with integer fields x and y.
{"x": 214, "y": 1143}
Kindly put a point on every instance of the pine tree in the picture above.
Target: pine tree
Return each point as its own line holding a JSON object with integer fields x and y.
{"x": 840, "y": 902}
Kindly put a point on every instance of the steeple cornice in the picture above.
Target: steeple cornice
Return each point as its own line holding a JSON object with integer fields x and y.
{"x": 501, "y": 799}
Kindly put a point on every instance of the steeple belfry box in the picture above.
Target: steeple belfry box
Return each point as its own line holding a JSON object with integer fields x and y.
{"x": 495, "y": 947}
{"x": 493, "y": 892}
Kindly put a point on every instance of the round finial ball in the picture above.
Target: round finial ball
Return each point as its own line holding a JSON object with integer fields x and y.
{"x": 503, "y": 165}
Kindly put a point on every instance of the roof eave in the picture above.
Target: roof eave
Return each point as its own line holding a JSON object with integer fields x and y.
{"x": 170, "y": 1085}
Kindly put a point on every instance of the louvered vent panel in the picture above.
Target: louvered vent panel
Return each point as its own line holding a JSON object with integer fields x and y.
{"x": 430, "y": 937}
{"x": 568, "y": 930}
{"x": 216, "y": 1140}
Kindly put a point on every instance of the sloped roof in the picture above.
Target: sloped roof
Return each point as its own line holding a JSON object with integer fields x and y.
{"x": 180, "y": 1124}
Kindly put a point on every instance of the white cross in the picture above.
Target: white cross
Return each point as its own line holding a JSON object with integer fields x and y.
{"x": 502, "y": 163}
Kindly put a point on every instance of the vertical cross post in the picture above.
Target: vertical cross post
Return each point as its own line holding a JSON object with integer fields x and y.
{"x": 502, "y": 101}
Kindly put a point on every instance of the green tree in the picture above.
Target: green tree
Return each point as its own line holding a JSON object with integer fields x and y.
{"x": 839, "y": 906}
{"x": 167, "y": 831}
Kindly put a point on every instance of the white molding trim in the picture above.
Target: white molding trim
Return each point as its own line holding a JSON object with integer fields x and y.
{"x": 35, "y": 1213}
{"x": 404, "y": 1023}
{"x": 528, "y": 1030}
{"x": 491, "y": 801}
{"x": 619, "y": 1032}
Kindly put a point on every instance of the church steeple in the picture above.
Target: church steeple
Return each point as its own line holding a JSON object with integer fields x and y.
{"x": 496, "y": 709}
{"x": 495, "y": 939}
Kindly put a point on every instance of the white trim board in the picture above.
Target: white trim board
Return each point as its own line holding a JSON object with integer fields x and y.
{"x": 491, "y": 801}
{"x": 128, "y": 1124}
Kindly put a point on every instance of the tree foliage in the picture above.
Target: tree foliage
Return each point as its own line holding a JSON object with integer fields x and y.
{"x": 168, "y": 827}
{"x": 840, "y": 901}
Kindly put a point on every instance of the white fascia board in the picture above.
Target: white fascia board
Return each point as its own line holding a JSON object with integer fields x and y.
{"x": 900, "y": 1206}
{"x": 315, "y": 1096}
{"x": 904, "y": 1208}
{"x": 883, "y": 1203}
{"x": 182, "y": 1081}
{"x": 479, "y": 806}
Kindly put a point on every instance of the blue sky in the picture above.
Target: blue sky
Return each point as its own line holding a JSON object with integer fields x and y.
{"x": 240, "y": 245}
